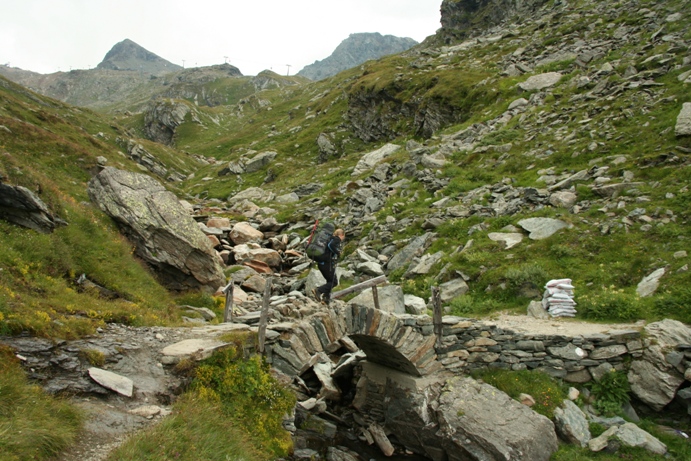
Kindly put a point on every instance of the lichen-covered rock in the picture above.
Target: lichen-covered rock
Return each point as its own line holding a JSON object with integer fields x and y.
{"x": 572, "y": 424}
{"x": 164, "y": 234}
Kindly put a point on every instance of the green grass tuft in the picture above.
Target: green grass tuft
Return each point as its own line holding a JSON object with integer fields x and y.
{"x": 33, "y": 425}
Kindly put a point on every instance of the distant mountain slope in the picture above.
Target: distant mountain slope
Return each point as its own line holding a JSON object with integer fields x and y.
{"x": 127, "y": 55}
{"x": 355, "y": 50}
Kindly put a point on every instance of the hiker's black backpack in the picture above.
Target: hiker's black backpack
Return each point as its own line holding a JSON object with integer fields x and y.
{"x": 317, "y": 245}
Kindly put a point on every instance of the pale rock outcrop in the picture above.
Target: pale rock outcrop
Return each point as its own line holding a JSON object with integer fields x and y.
{"x": 244, "y": 233}
{"x": 542, "y": 228}
{"x": 649, "y": 284}
{"x": 390, "y": 299}
{"x": 370, "y": 159}
{"x": 653, "y": 379}
{"x": 683, "y": 126}
{"x": 259, "y": 161}
{"x": 541, "y": 81}
{"x": 572, "y": 424}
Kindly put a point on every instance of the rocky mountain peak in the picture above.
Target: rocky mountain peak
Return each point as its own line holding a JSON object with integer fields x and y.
{"x": 127, "y": 55}
{"x": 355, "y": 50}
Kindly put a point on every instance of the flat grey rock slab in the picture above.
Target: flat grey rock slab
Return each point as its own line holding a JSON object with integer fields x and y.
{"x": 220, "y": 328}
{"x": 541, "y": 81}
{"x": 510, "y": 239}
{"x": 542, "y": 228}
{"x": 203, "y": 348}
{"x": 649, "y": 284}
{"x": 112, "y": 381}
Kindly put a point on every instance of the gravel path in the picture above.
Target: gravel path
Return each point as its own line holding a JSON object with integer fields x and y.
{"x": 557, "y": 326}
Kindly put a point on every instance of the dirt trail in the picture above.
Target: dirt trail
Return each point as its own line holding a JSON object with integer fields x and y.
{"x": 556, "y": 326}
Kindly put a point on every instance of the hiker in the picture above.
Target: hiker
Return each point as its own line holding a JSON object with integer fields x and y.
{"x": 328, "y": 267}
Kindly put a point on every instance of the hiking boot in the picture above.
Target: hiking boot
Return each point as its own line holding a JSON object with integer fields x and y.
{"x": 326, "y": 299}
{"x": 316, "y": 295}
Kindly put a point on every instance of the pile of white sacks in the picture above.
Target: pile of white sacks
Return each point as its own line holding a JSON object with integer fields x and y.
{"x": 558, "y": 298}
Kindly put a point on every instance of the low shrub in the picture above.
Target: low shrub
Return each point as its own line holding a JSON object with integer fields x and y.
{"x": 249, "y": 395}
{"x": 470, "y": 305}
{"x": 610, "y": 392}
{"x": 610, "y": 304}
{"x": 526, "y": 274}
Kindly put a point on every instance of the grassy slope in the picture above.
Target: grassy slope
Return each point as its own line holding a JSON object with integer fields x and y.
{"x": 569, "y": 132}
{"x": 53, "y": 146}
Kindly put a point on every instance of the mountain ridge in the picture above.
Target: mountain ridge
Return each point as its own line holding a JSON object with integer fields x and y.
{"x": 355, "y": 50}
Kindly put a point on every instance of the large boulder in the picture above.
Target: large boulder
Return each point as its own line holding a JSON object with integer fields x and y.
{"x": 479, "y": 422}
{"x": 259, "y": 161}
{"x": 654, "y": 380}
{"x": 390, "y": 299}
{"x": 370, "y": 159}
{"x": 541, "y": 81}
{"x": 164, "y": 234}
{"x": 453, "y": 418}
{"x": 542, "y": 228}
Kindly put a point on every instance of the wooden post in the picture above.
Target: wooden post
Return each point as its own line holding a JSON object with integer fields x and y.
{"x": 228, "y": 312}
{"x": 263, "y": 318}
{"x": 437, "y": 319}
{"x": 375, "y": 296}
{"x": 360, "y": 286}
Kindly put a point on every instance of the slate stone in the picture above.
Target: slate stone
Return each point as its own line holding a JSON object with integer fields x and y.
{"x": 390, "y": 299}
{"x": 469, "y": 413}
{"x": 21, "y": 206}
{"x": 201, "y": 348}
{"x": 510, "y": 239}
{"x": 572, "y": 424}
{"x": 112, "y": 381}
{"x": 542, "y": 228}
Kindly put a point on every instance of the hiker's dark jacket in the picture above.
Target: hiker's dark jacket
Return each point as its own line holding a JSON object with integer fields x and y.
{"x": 334, "y": 247}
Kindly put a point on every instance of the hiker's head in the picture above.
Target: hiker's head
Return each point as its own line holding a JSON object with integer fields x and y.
{"x": 340, "y": 233}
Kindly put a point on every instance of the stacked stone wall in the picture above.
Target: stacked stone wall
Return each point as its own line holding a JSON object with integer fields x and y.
{"x": 407, "y": 343}
{"x": 469, "y": 345}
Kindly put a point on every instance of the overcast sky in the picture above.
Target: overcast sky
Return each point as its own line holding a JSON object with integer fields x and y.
{"x": 48, "y": 36}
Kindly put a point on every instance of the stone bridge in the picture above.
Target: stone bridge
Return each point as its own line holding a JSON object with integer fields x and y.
{"x": 407, "y": 343}
{"x": 404, "y": 343}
